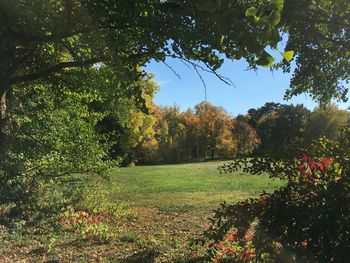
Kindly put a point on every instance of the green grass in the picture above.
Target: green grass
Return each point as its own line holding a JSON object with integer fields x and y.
{"x": 186, "y": 186}
{"x": 169, "y": 207}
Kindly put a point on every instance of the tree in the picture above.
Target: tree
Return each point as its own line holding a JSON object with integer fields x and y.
{"x": 43, "y": 38}
{"x": 318, "y": 33}
{"x": 325, "y": 121}
{"x": 256, "y": 114}
{"x": 279, "y": 126}
{"x": 245, "y": 137}
{"x": 214, "y": 136}
{"x": 128, "y": 123}
{"x": 288, "y": 128}
{"x": 53, "y": 139}
{"x": 172, "y": 144}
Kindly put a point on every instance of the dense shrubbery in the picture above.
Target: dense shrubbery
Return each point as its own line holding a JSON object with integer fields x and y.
{"x": 306, "y": 220}
{"x": 52, "y": 138}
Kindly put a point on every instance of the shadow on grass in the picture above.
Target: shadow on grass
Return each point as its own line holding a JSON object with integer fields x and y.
{"x": 149, "y": 255}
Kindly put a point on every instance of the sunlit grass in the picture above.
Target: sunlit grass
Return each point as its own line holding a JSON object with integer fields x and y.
{"x": 194, "y": 185}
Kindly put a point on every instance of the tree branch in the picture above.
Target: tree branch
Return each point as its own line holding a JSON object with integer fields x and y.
{"x": 54, "y": 69}
{"x": 22, "y": 37}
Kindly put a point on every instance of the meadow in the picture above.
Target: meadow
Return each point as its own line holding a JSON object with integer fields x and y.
{"x": 163, "y": 209}
{"x": 197, "y": 187}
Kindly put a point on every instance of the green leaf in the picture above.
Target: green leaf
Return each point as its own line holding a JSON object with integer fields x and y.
{"x": 256, "y": 19}
{"x": 274, "y": 18}
{"x": 277, "y": 4}
{"x": 288, "y": 55}
{"x": 265, "y": 60}
{"x": 251, "y": 11}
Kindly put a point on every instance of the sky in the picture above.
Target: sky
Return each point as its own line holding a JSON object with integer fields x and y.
{"x": 252, "y": 89}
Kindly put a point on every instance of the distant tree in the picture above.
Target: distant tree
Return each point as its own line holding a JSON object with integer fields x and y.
{"x": 243, "y": 118}
{"x": 325, "y": 121}
{"x": 245, "y": 137}
{"x": 256, "y": 114}
{"x": 289, "y": 127}
{"x": 214, "y": 122}
{"x": 192, "y": 138}
{"x": 281, "y": 127}
{"x": 173, "y": 133}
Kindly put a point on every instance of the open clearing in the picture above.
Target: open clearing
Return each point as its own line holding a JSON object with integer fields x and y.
{"x": 196, "y": 187}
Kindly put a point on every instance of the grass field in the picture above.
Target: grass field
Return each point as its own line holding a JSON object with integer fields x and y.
{"x": 195, "y": 186}
{"x": 168, "y": 207}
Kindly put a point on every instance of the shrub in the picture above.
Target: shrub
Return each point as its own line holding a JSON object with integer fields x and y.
{"x": 101, "y": 227}
{"x": 307, "y": 220}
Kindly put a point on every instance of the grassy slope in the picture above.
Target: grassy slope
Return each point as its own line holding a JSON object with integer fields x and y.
{"x": 194, "y": 185}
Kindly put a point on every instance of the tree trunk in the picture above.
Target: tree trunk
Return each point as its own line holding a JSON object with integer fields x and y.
{"x": 4, "y": 116}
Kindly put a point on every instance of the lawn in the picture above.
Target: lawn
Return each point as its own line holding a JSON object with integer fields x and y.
{"x": 167, "y": 208}
{"x": 198, "y": 186}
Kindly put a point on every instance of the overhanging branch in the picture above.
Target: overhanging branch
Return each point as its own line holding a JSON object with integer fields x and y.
{"x": 54, "y": 69}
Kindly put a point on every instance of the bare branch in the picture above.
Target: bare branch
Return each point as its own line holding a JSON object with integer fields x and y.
{"x": 203, "y": 82}
{"x": 207, "y": 69}
{"x": 171, "y": 68}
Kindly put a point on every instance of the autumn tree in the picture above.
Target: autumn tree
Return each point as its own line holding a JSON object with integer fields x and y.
{"x": 245, "y": 137}
{"x": 170, "y": 133}
{"x": 128, "y": 123}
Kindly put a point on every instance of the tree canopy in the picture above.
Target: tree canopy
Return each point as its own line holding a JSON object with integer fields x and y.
{"x": 44, "y": 37}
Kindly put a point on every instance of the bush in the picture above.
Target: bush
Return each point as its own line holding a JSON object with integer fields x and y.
{"x": 51, "y": 142}
{"x": 307, "y": 220}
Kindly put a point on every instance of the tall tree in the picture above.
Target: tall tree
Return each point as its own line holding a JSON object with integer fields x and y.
{"x": 214, "y": 123}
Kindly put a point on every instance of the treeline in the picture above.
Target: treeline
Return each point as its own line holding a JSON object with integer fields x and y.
{"x": 281, "y": 127}
{"x": 167, "y": 135}
{"x": 206, "y": 132}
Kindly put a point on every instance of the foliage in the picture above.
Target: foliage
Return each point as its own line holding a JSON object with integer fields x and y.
{"x": 129, "y": 119}
{"x": 53, "y": 137}
{"x": 231, "y": 249}
{"x": 279, "y": 126}
{"x": 52, "y": 36}
{"x": 203, "y": 133}
{"x": 318, "y": 33}
{"x": 245, "y": 138}
{"x": 213, "y": 131}
{"x": 88, "y": 225}
{"x": 305, "y": 220}
{"x": 325, "y": 121}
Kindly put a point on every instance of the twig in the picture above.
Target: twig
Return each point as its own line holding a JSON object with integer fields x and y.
{"x": 169, "y": 67}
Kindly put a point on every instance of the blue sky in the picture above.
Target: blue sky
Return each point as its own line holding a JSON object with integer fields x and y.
{"x": 252, "y": 89}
